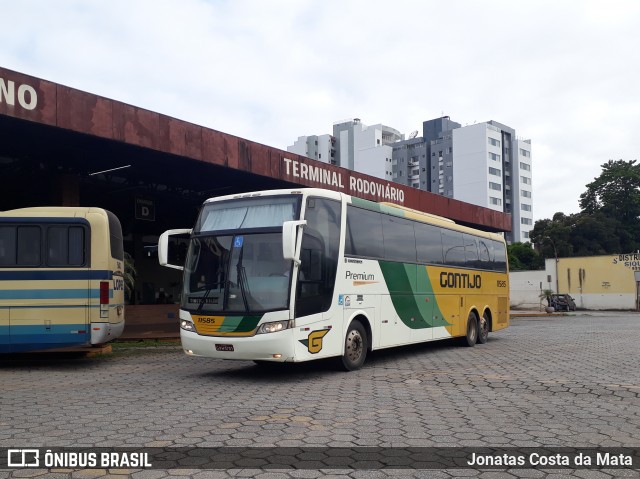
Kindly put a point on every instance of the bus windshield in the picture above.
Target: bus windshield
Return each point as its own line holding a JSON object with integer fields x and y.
{"x": 247, "y": 213}
{"x": 242, "y": 273}
{"x": 235, "y": 263}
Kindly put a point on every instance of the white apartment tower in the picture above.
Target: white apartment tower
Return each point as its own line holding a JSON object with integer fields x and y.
{"x": 353, "y": 145}
{"x": 317, "y": 147}
{"x": 483, "y": 164}
{"x": 366, "y": 149}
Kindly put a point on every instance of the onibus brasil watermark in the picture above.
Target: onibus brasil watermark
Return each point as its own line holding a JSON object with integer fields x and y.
{"x": 356, "y": 458}
{"x": 19, "y": 458}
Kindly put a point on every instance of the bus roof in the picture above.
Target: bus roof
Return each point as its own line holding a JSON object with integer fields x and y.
{"x": 383, "y": 207}
{"x": 52, "y": 211}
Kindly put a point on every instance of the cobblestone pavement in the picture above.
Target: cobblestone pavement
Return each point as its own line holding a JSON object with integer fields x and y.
{"x": 570, "y": 381}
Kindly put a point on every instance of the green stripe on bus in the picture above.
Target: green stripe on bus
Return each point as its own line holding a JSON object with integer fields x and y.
{"x": 412, "y": 306}
{"x": 239, "y": 324}
{"x": 378, "y": 207}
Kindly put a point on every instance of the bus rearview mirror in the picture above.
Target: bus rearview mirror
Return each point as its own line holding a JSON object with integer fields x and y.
{"x": 163, "y": 247}
{"x": 290, "y": 239}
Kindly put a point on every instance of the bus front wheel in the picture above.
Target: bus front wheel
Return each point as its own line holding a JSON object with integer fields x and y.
{"x": 355, "y": 347}
{"x": 472, "y": 331}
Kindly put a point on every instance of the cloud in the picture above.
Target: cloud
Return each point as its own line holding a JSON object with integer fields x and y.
{"x": 563, "y": 74}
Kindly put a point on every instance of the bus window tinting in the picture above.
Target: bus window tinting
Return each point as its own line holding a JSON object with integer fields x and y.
{"x": 453, "y": 248}
{"x": 29, "y": 246}
{"x": 376, "y": 235}
{"x": 364, "y": 233}
{"x": 65, "y": 246}
{"x": 319, "y": 256}
{"x": 500, "y": 252}
{"x": 485, "y": 253}
{"x": 471, "y": 251}
{"x": 7, "y": 245}
{"x": 399, "y": 239}
{"x": 428, "y": 243}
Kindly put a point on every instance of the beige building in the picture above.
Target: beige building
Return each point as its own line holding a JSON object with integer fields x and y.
{"x": 595, "y": 282}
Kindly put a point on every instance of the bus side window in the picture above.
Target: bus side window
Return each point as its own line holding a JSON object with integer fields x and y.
{"x": 428, "y": 243}
{"x": 485, "y": 254}
{"x": 453, "y": 248}
{"x": 471, "y": 251}
{"x": 7, "y": 245}
{"x": 29, "y": 246}
{"x": 311, "y": 258}
{"x": 399, "y": 239}
{"x": 319, "y": 256}
{"x": 65, "y": 246}
{"x": 364, "y": 233}
{"x": 500, "y": 263}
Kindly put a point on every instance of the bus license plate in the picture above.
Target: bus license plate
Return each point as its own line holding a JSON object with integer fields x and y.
{"x": 224, "y": 347}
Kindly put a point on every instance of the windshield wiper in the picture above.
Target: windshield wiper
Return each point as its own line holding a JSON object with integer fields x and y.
{"x": 243, "y": 283}
{"x": 203, "y": 300}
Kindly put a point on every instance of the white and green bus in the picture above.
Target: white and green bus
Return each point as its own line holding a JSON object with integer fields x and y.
{"x": 297, "y": 275}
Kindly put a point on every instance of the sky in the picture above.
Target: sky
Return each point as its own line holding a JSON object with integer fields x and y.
{"x": 564, "y": 74}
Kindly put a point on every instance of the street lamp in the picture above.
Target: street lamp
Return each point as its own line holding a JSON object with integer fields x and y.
{"x": 555, "y": 253}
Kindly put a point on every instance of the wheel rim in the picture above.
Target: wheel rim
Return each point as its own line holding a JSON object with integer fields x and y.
{"x": 354, "y": 345}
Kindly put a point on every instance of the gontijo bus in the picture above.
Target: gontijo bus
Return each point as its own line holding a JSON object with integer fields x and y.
{"x": 296, "y": 275}
{"x": 61, "y": 278}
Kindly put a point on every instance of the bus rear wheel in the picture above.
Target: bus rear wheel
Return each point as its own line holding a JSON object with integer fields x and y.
{"x": 355, "y": 347}
{"x": 472, "y": 331}
{"x": 483, "y": 330}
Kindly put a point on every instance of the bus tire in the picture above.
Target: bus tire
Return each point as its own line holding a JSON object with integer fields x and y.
{"x": 483, "y": 329}
{"x": 472, "y": 331}
{"x": 355, "y": 347}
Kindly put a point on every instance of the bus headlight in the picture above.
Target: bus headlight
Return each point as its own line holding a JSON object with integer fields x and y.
{"x": 187, "y": 325}
{"x": 273, "y": 327}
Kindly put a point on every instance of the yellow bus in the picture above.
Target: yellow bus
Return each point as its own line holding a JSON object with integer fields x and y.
{"x": 61, "y": 278}
{"x": 297, "y": 275}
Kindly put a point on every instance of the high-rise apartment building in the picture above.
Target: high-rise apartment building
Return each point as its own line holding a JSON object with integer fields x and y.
{"x": 318, "y": 147}
{"x": 483, "y": 164}
{"x": 353, "y": 145}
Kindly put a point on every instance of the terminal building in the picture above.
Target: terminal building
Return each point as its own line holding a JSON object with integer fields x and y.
{"x": 62, "y": 146}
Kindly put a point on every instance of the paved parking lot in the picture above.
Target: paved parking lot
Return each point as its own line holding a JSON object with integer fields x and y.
{"x": 568, "y": 381}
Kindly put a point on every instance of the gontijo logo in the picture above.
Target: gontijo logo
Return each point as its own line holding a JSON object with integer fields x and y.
{"x": 314, "y": 340}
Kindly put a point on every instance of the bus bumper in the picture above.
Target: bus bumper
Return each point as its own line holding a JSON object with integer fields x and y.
{"x": 277, "y": 347}
{"x": 105, "y": 332}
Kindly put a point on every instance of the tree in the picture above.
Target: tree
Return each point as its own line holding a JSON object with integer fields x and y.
{"x": 553, "y": 236}
{"x": 130, "y": 274}
{"x": 615, "y": 193}
{"x": 523, "y": 257}
{"x": 595, "y": 234}
{"x": 608, "y": 223}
